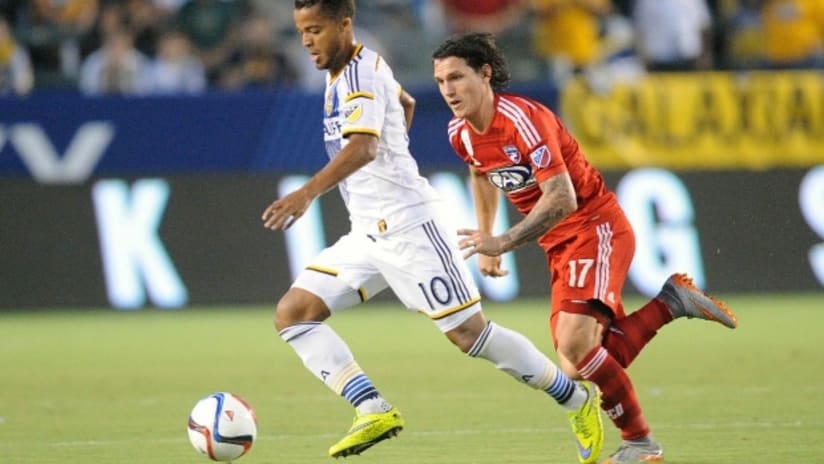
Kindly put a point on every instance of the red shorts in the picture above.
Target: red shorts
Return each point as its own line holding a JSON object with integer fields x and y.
{"x": 592, "y": 265}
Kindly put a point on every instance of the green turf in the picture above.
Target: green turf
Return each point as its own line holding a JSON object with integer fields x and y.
{"x": 113, "y": 387}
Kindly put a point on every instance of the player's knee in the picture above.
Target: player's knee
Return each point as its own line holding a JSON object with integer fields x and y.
{"x": 283, "y": 315}
{"x": 298, "y": 306}
{"x": 465, "y": 335}
{"x": 575, "y": 350}
{"x": 462, "y": 339}
{"x": 577, "y": 331}
{"x": 465, "y": 345}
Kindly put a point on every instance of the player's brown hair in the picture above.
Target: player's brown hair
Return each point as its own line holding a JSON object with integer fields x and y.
{"x": 335, "y": 9}
{"x": 477, "y": 49}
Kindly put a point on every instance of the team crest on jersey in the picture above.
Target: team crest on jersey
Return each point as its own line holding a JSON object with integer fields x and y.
{"x": 352, "y": 113}
{"x": 541, "y": 156}
{"x": 512, "y": 153}
{"x": 327, "y": 108}
{"x": 330, "y": 107}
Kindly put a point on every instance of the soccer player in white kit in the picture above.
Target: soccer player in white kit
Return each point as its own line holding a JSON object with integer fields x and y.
{"x": 396, "y": 240}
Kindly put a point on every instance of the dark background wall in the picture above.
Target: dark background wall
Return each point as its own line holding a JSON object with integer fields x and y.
{"x": 156, "y": 201}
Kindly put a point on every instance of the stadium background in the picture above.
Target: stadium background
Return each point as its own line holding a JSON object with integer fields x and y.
{"x": 130, "y": 195}
{"x": 135, "y": 276}
{"x": 131, "y": 202}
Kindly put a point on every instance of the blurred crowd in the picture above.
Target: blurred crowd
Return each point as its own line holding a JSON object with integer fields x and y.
{"x": 162, "y": 47}
{"x": 142, "y": 47}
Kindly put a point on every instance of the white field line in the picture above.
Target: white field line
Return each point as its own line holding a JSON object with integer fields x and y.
{"x": 738, "y": 425}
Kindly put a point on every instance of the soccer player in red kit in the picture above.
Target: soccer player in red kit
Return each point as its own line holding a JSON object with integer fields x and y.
{"x": 515, "y": 144}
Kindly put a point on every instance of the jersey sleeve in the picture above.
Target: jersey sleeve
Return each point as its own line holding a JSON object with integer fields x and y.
{"x": 544, "y": 153}
{"x": 364, "y": 106}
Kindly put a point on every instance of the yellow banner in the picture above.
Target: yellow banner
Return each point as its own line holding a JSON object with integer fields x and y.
{"x": 713, "y": 120}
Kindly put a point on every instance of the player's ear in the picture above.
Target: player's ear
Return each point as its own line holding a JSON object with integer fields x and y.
{"x": 486, "y": 72}
{"x": 346, "y": 23}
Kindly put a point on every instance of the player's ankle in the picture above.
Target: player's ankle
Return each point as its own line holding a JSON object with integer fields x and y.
{"x": 374, "y": 405}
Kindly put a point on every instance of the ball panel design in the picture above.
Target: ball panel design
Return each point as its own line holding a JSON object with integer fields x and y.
{"x": 222, "y": 426}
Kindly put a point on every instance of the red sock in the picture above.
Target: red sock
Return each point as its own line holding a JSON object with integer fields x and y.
{"x": 618, "y": 398}
{"x": 626, "y": 337}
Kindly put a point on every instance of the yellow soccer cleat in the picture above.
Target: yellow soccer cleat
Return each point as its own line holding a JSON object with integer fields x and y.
{"x": 587, "y": 425}
{"x": 367, "y": 430}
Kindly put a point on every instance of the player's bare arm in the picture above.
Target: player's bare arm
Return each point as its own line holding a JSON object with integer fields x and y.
{"x": 360, "y": 151}
{"x": 557, "y": 202}
{"x": 486, "y": 199}
{"x": 486, "y": 207}
{"x": 408, "y": 104}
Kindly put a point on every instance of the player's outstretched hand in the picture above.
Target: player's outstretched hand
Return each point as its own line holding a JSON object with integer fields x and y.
{"x": 477, "y": 242}
{"x": 282, "y": 213}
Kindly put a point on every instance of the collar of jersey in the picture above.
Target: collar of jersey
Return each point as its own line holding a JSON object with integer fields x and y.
{"x": 355, "y": 52}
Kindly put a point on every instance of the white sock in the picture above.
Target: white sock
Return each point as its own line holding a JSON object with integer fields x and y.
{"x": 514, "y": 354}
{"x": 328, "y": 357}
{"x": 374, "y": 406}
{"x": 578, "y": 398}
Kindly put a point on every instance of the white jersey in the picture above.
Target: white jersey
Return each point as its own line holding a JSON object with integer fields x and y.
{"x": 387, "y": 195}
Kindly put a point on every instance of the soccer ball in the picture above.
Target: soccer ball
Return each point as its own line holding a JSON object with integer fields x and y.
{"x": 222, "y": 426}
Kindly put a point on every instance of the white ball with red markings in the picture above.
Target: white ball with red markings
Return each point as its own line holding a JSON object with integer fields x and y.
{"x": 222, "y": 426}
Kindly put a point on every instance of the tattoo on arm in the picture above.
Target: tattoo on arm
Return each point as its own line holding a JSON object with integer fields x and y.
{"x": 556, "y": 202}
{"x": 531, "y": 228}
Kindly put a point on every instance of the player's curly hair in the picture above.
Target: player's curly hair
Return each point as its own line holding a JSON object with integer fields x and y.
{"x": 477, "y": 48}
{"x": 335, "y": 9}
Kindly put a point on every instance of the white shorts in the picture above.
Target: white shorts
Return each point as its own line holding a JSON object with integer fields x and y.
{"x": 422, "y": 265}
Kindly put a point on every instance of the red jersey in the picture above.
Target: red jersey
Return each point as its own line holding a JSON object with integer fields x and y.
{"x": 525, "y": 145}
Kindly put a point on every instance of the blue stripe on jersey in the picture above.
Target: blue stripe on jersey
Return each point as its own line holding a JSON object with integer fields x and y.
{"x": 561, "y": 388}
{"x": 438, "y": 242}
{"x": 351, "y": 75}
{"x": 348, "y": 77}
{"x": 359, "y": 389}
{"x": 356, "y": 61}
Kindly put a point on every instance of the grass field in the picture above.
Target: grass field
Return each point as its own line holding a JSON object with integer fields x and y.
{"x": 112, "y": 387}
